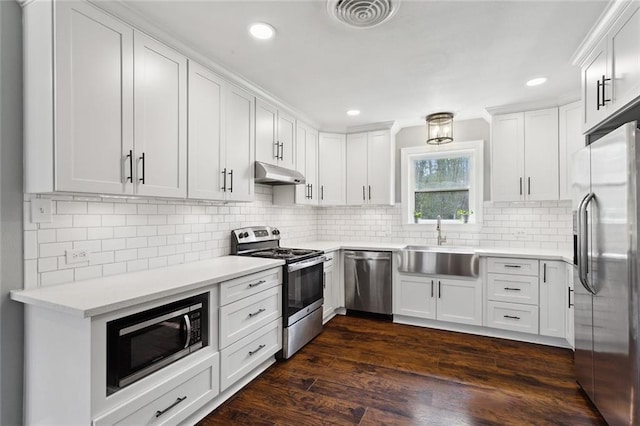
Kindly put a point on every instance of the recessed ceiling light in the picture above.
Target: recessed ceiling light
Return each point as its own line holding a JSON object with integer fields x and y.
{"x": 353, "y": 112}
{"x": 262, "y": 31}
{"x": 537, "y": 81}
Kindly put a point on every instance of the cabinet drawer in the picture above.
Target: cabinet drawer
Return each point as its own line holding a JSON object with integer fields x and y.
{"x": 245, "y": 316}
{"x": 513, "y": 288}
{"x": 330, "y": 259}
{"x": 171, "y": 402}
{"x": 512, "y": 316}
{"x": 504, "y": 265}
{"x": 239, "y": 288}
{"x": 244, "y": 355}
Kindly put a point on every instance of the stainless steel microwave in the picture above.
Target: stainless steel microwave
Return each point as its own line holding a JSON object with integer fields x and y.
{"x": 139, "y": 344}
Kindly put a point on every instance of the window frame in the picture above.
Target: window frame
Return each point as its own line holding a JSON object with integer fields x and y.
{"x": 475, "y": 149}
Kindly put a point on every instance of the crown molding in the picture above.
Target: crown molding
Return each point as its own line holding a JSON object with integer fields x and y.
{"x": 371, "y": 127}
{"x": 598, "y": 31}
{"x": 529, "y": 106}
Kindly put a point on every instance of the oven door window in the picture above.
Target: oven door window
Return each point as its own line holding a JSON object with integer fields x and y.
{"x": 304, "y": 288}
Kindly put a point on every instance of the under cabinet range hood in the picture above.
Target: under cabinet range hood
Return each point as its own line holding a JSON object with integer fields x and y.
{"x": 276, "y": 175}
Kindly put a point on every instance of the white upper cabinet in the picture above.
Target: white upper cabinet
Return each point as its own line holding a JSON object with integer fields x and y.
{"x": 118, "y": 125}
{"x": 611, "y": 69}
{"x": 93, "y": 85}
{"x": 331, "y": 168}
{"x": 570, "y": 140}
{"x": 220, "y": 138}
{"x": 524, "y": 150}
{"x": 275, "y": 131}
{"x": 370, "y": 168}
{"x": 160, "y": 117}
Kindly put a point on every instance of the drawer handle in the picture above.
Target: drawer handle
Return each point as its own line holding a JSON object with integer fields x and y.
{"x": 328, "y": 259}
{"x": 513, "y": 266}
{"x": 257, "y": 350}
{"x": 512, "y": 317}
{"x": 178, "y": 401}
{"x": 259, "y": 311}
{"x": 512, "y": 288}
{"x": 257, "y": 284}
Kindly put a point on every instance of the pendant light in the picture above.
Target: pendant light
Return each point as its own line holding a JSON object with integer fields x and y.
{"x": 439, "y": 128}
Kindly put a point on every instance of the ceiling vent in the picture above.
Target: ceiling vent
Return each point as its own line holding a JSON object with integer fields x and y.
{"x": 362, "y": 13}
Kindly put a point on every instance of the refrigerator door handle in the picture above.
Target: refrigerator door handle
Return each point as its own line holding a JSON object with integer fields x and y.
{"x": 583, "y": 242}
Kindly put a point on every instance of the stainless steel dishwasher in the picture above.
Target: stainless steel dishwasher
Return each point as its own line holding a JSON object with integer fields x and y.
{"x": 367, "y": 280}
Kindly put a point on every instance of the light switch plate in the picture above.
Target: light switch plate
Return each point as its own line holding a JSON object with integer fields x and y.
{"x": 41, "y": 210}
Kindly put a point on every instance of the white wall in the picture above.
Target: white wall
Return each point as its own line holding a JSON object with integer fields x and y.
{"x": 11, "y": 313}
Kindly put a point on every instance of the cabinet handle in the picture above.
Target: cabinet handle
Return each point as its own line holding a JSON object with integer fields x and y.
{"x": 258, "y": 312}
{"x": 224, "y": 180}
{"x": 322, "y": 192}
{"x": 258, "y": 349}
{"x": 311, "y": 191}
{"x": 512, "y": 288}
{"x": 257, "y": 284}
{"x": 529, "y": 185}
{"x": 598, "y": 84}
{"x": 369, "y": 192}
{"x": 569, "y": 297}
{"x": 363, "y": 197}
{"x": 544, "y": 272}
{"x": 604, "y": 97}
{"x": 277, "y": 149}
{"x": 130, "y": 157}
{"x": 513, "y": 266}
{"x": 231, "y": 184}
{"x": 178, "y": 401}
{"x": 511, "y": 317}
{"x": 439, "y": 290}
{"x": 282, "y": 150}
{"x": 432, "y": 289}
{"x": 520, "y": 186}
{"x": 142, "y": 158}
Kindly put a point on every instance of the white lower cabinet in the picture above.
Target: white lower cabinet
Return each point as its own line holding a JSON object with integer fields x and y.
{"x": 171, "y": 402}
{"x": 443, "y": 299}
{"x": 553, "y": 299}
{"x": 331, "y": 286}
{"x": 570, "y": 310}
{"x": 512, "y": 316}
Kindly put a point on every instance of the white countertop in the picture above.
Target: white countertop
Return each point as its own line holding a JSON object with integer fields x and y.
{"x": 98, "y": 296}
{"x": 539, "y": 253}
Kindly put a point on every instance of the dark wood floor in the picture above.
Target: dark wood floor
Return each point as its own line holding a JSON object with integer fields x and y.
{"x": 369, "y": 372}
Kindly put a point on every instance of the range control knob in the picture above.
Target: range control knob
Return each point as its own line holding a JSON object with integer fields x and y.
{"x": 276, "y": 231}
{"x": 245, "y": 235}
{"x": 240, "y": 235}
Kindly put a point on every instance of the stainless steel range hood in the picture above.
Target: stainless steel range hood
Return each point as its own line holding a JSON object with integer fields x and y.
{"x": 276, "y": 175}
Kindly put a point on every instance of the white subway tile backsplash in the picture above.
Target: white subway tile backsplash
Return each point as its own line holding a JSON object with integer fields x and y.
{"x": 71, "y": 207}
{"x": 56, "y": 277}
{"x": 86, "y": 220}
{"x": 88, "y": 272}
{"x": 71, "y": 234}
{"x": 54, "y": 249}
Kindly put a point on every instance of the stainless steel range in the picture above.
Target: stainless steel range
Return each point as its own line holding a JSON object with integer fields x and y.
{"x": 303, "y": 281}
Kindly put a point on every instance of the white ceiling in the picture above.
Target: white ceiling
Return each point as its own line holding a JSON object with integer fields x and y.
{"x": 459, "y": 56}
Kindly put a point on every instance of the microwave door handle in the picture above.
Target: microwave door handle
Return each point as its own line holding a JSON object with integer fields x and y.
{"x": 187, "y": 322}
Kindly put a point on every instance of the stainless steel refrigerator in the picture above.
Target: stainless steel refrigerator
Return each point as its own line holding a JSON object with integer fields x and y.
{"x": 605, "y": 202}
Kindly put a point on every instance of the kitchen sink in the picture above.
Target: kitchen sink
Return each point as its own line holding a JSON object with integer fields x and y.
{"x": 438, "y": 260}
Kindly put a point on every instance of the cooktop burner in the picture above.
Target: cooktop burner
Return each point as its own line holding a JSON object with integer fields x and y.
{"x": 283, "y": 253}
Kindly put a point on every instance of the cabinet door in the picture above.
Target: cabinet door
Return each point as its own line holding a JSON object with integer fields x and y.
{"x": 381, "y": 175}
{"x": 553, "y": 302}
{"x": 569, "y": 319}
{"x": 311, "y": 157}
{"x": 239, "y": 144}
{"x": 624, "y": 58}
{"x": 329, "y": 306}
{"x": 206, "y": 133}
{"x": 570, "y": 141}
{"x": 301, "y": 191}
{"x": 94, "y": 101}
{"x": 415, "y": 297}
{"x": 286, "y": 139}
{"x": 507, "y": 153}
{"x": 592, "y": 72}
{"x": 331, "y": 163}
{"x": 267, "y": 149}
{"x": 459, "y": 301}
{"x": 160, "y": 118}
{"x": 541, "y": 154}
{"x": 357, "y": 169}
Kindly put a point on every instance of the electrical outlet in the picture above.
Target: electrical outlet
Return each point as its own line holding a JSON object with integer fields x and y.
{"x": 76, "y": 256}
{"x": 40, "y": 210}
{"x": 520, "y": 234}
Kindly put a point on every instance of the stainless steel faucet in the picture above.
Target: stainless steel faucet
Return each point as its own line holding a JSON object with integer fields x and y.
{"x": 441, "y": 239}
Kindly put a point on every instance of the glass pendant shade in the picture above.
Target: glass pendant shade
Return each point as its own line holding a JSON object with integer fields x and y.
{"x": 439, "y": 128}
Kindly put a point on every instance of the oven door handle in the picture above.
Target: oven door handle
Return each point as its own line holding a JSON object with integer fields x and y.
{"x": 305, "y": 263}
{"x": 187, "y": 321}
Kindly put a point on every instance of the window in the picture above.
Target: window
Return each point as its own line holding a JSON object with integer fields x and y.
{"x": 442, "y": 181}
